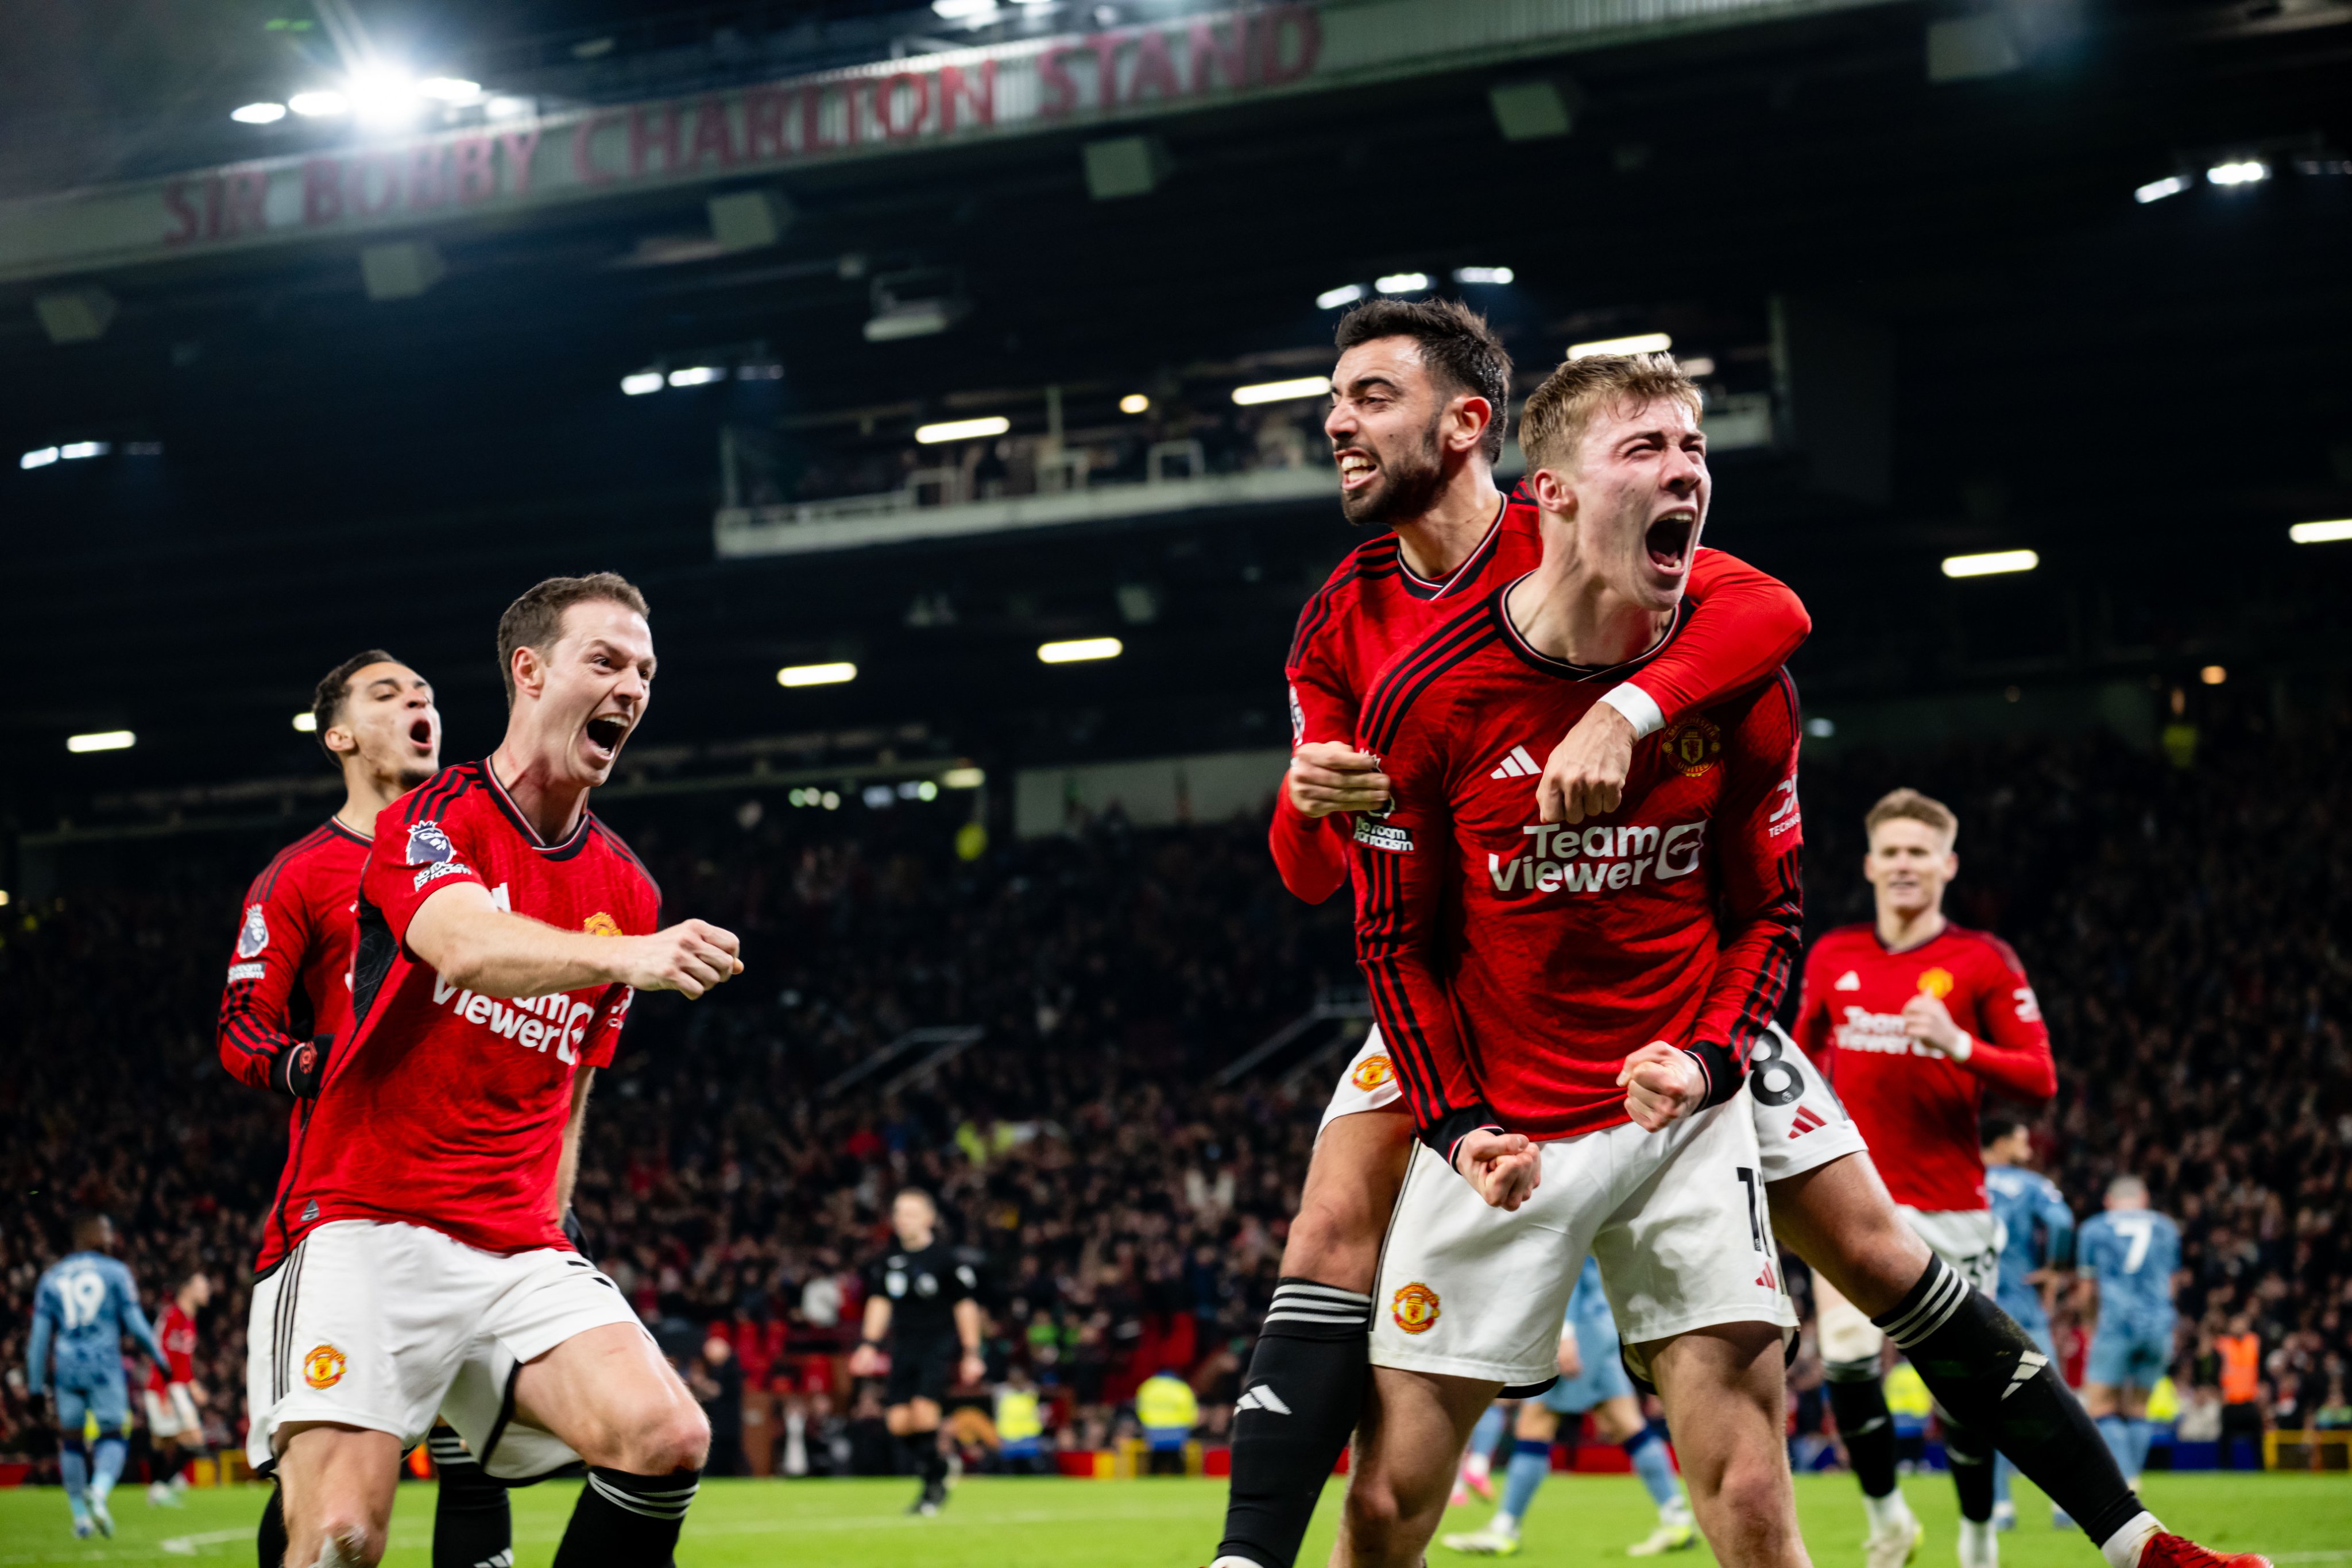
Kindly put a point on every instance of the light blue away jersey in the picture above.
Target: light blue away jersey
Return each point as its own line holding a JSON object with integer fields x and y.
{"x": 2026, "y": 1202}
{"x": 83, "y": 1306}
{"x": 1588, "y": 1306}
{"x": 2132, "y": 1252}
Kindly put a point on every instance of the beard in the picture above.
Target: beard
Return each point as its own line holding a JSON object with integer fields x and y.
{"x": 1407, "y": 484}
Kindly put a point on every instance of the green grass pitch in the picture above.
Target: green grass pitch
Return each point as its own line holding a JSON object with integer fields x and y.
{"x": 1170, "y": 1523}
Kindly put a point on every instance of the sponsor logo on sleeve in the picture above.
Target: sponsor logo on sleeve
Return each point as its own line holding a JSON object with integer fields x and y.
{"x": 246, "y": 972}
{"x": 253, "y": 934}
{"x": 1414, "y": 1307}
{"x": 1297, "y": 719}
{"x": 435, "y": 872}
{"x": 1382, "y": 836}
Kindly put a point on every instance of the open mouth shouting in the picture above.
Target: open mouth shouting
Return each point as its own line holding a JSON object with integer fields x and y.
{"x": 420, "y": 733}
{"x": 1358, "y": 468}
{"x": 603, "y": 736}
{"x": 1668, "y": 539}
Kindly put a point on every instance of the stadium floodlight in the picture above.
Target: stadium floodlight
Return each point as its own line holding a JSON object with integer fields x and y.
{"x": 639, "y": 382}
{"x": 2327, "y": 533}
{"x": 1332, "y": 299}
{"x": 103, "y": 740}
{"x": 307, "y": 722}
{"x": 1482, "y": 275}
{"x": 962, "y": 429}
{"x": 2213, "y": 675}
{"x": 258, "y": 114}
{"x": 1282, "y": 392}
{"x": 831, "y": 674}
{"x": 1077, "y": 649}
{"x": 1697, "y": 365}
{"x": 974, "y": 11}
{"x": 4, "y": 898}
{"x": 382, "y": 97}
{"x": 697, "y": 376}
{"x": 78, "y": 449}
{"x": 2241, "y": 171}
{"x": 318, "y": 102}
{"x": 1820, "y": 728}
{"x": 964, "y": 778}
{"x": 1639, "y": 343}
{"x": 1135, "y": 402}
{"x": 1402, "y": 282}
{"x": 40, "y": 457}
{"x": 452, "y": 91}
{"x": 2157, "y": 190}
{"x": 1991, "y": 563}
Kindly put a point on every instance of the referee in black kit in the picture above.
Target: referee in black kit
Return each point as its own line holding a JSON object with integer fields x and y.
{"x": 921, "y": 1307}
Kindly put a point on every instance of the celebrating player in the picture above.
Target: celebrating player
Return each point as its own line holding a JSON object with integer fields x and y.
{"x": 2037, "y": 1233}
{"x": 172, "y": 1395}
{"x": 1518, "y": 967}
{"x": 919, "y": 1307}
{"x": 501, "y": 930}
{"x": 1591, "y": 1378}
{"x": 288, "y": 995}
{"x": 83, "y": 1305}
{"x": 1416, "y": 424}
{"x": 2128, "y": 1255}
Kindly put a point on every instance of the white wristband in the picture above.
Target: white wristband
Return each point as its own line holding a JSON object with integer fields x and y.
{"x": 1963, "y": 1047}
{"x": 1640, "y": 709}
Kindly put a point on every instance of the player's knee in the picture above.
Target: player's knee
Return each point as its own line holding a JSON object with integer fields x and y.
{"x": 349, "y": 1534}
{"x": 1755, "y": 1488}
{"x": 1335, "y": 1240}
{"x": 680, "y": 1441}
{"x": 1378, "y": 1517}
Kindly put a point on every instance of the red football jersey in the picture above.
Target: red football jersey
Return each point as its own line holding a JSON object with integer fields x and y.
{"x": 1743, "y": 625}
{"x": 289, "y": 979}
{"x": 1513, "y": 964}
{"x": 1919, "y": 1109}
{"x": 444, "y": 1108}
{"x": 177, "y": 1332}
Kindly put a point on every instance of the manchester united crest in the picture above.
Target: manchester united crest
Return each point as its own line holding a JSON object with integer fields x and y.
{"x": 1937, "y": 982}
{"x": 1373, "y": 1072}
{"x": 1414, "y": 1307}
{"x": 1692, "y": 746}
{"x": 323, "y": 1367}
{"x": 601, "y": 924}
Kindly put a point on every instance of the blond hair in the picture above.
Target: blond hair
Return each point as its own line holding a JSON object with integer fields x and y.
{"x": 1912, "y": 806}
{"x": 1559, "y": 412}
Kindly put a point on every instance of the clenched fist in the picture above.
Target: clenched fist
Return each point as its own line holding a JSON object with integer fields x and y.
{"x": 1506, "y": 1167}
{"x": 1327, "y": 777}
{"x": 1662, "y": 1084}
{"x": 1585, "y": 776}
{"x": 692, "y": 956}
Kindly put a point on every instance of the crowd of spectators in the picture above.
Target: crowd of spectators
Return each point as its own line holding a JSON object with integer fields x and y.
{"x": 2180, "y": 923}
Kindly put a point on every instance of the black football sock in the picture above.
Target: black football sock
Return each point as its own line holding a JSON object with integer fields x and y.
{"x": 625, "y": 1520}
{"x": 911, "y": 1452}
{"x": 270, "y": 1541}
{"x": 931, "y": 1461}
{"x": 1300, "y": 1402}
{"x": 1865, "y": 1426}
{"x": 1987, "y": 1373}
{"x": 1970, "y": 1457}
{"x": 473, "y": 1525}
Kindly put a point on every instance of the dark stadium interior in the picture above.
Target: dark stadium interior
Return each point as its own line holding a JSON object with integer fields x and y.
{"x": 2147, "y": 738}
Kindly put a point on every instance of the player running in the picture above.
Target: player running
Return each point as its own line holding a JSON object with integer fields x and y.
{"x": 2128, "y": 1256}
{"x": 921, "y": 1309}
{"x": 171, "y": 1394}
{"x": 1592, "y": 1379}
{"x": 501, "y": 930}
{"x": 83, "y": 1305}
{"x": 1517, "y": 967}
{"x": 288, "y": 995}
{"x": 2037, "y": 1233}
{"x": 1416, "y": 424}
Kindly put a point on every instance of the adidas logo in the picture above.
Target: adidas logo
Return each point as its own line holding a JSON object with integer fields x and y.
{"x": 310, "y": 1210}
{"x": 1848, "y": 981}
{"x": 2031, "y": 1361}
{"x": 1806, "y": 1120}
{"x": 1518, "y": 765}
{"x": 1262, "y": 1397}
{"x": 1766, "y": 1280}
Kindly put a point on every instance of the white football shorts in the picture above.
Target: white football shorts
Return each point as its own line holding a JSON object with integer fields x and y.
{"x": 1799, "y": 1123}
{"x": 1370, "y": 1082}
{"x": 1967, "y": 1238}
{"x": 380, "y": 1325}
{"x": 171, "y": 1412}
{"x": 1676, "y": 1218}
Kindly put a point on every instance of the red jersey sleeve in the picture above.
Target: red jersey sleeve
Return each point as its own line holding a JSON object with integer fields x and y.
{"x": 1402, "y": 862}
{"x": 419, "y": 850}
{"x": 1760, "y": 902}
{"x": 2011, "y": 1050}
{"x": 1744, "y": 624}
{"x": 263, "y": 973}
{"x": 1311, "y": 853}
{"x": 1813, "y": 1030}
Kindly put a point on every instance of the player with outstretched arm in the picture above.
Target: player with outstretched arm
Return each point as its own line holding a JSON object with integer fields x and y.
{"x": 502, "y": 930}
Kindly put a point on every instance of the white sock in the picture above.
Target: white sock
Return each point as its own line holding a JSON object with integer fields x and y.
{"x": 1887, "y": 1512}
{"x": 1231, "y": 1562}
{"x": 2123, "y": 1548}
{"x": 1980, "y": 1546}
{"x": 1678, "y": 1512}
{"x": 1506, "y": 1524}
{"x": 1477, "y": 1465}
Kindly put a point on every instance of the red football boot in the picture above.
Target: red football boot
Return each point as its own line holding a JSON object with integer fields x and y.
{"x": 2167, "y": 1550}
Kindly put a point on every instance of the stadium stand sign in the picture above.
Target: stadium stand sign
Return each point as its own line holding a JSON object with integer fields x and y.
{"x": 876, "y": 109}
